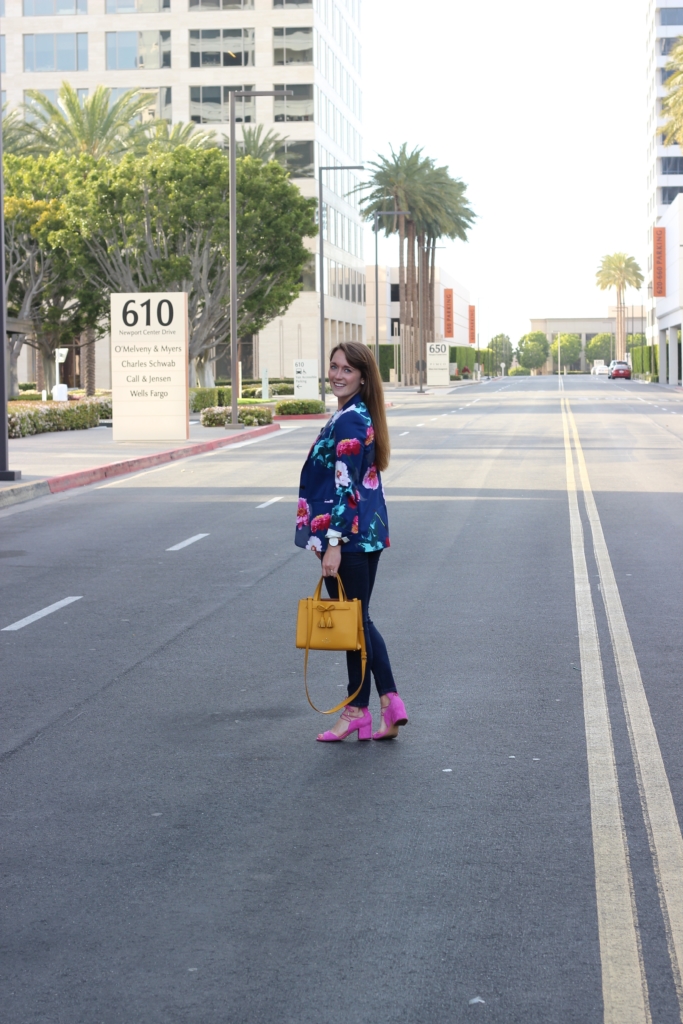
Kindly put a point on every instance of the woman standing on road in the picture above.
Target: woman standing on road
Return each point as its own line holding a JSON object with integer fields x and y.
{"x": 342, "y": 516}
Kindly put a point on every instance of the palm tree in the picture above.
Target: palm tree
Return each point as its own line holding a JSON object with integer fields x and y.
{"x": 396, "y": 181}
{"x": 672, "y": 104}
{"x": 165, "y": 136}
{"x": 94, "y": 126}
{"x": 438, "y": 209}
{"x": 620, "y": 272}
{"x": 261, "y": 147}
{"x": 14, "y": 138}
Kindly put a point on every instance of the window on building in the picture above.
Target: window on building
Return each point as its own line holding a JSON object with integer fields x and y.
{"x": 137, "y": 6}
{"x": 672, "y": 165}
{"x": 221, "y": 5}
{"x": 38, "y": 8}
{"x": 667, "y": 44}
{"x": 292, "y": 45}
{"x": 671, "y": 15}
{"x": 128, "y": 50}
{"x": 395, "y": 294}
{"x": 58, "y": 51}
{"x": 292, "y": 3}
{"x": 298, "y": 107}
{"x": 665, "y": 74}
{"x": 3, "y": 67}
{"x": 160, "y": 102}
{"x": 226, "y": 47}
{"x": 308, "y": 274}
{"x": 669, "y": 193}
{"x": 210, "y": 104}
{"x": 297, "y": 158}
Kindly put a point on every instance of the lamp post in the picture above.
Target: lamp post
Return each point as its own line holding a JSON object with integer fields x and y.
{"x": 241, "y": 93}
{"x": 376, "y": 215}
{"x": 343, "y": 167}
{"x": 5, "y": 472}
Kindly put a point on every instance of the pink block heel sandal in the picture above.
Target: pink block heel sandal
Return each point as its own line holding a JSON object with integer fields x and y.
{"x": 393, "y": 716}
{"x": 362, "y": 725}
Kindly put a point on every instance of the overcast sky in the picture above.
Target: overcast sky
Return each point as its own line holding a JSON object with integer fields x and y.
{"x": 538, "y": 105}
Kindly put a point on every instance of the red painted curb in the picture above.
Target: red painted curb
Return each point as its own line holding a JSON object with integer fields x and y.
{"x": 304, "y": 416}
{"x": 91, "y": 476}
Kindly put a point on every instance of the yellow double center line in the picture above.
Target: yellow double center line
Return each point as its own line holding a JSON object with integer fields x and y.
{"x": 625, "y": 994}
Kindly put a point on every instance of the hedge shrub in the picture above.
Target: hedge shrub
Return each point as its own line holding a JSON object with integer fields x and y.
{"x": 250, "y": 415}
{"x": 28, "y": 386}
{"x": 300, "y": 407}
{"x": 209, "y": 398}
{"x": 27, "y": 396}
{"x": 30, "y": 418}
{"x": 519, "y": 371}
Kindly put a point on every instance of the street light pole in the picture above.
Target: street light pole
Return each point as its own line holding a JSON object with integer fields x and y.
{"x": 241, "y": 94}
{"x": 420, "y": 312}
{"x": 344, "y": 167}
{"x": 377, "y": 214}
{"x": 5, "y": 472}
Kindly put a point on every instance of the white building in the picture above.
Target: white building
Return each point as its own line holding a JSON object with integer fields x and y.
{"x": 664, "y": 182}
{"x": 189, "y": 54}
{"x": 389, "y": 306}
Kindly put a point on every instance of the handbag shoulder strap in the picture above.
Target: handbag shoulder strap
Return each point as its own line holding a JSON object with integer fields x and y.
{"x": 363, "y": 654}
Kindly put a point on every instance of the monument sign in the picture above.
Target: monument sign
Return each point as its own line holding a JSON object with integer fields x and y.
{"x": 149, "y": 366}
{"x": 438, "y": 371}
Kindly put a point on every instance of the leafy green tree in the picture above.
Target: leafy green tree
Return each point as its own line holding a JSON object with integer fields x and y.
{"x": 94, "y": 126}
{"x": 161, "y": 223}
{"x": 570, "y": 349}
{"x": 620, "y": 272}
{"x": 501, "y": 349}
{"x": 635, "y": 341}
{"x": 532, "y": 350}
{"x": 46, "y": 282}
{"x": 600, "y": 347}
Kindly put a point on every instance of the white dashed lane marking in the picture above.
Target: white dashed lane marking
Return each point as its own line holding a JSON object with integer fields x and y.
{"x": 41, "y": 614}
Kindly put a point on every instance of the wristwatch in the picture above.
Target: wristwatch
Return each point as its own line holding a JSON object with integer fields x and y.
{"x": 333, "y": 542}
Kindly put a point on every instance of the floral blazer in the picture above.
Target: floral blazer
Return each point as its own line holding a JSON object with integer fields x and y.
{"x": 341, "y": 488}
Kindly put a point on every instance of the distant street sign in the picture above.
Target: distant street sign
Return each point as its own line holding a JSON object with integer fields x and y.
{"x": 306, "y": 381}
{"x": 149, "y": 364}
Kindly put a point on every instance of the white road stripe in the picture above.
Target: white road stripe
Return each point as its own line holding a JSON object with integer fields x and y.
{"x": 659, "y": 811}
{"x": 624, "y": 986}
{"x": 271, "y": 502}
{"x": 404, "y": 433}
{"x": 420, "y": 424}
{"x": 190, "y": 540}
{"x": 41, "y": 614}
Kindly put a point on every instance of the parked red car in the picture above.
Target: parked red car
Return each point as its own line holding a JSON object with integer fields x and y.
{"x": 619, "y": 369}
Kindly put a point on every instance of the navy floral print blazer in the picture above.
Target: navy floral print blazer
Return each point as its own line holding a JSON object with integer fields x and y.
{"x": 341, "y": 488}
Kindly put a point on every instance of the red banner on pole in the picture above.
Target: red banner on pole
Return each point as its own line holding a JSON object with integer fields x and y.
{"x": 659, "y": 264}
{"x": 448, "y": 312}
{"x": 473, "y": 326}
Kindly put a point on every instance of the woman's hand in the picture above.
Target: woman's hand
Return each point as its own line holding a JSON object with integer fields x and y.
{"x": 332, "y": 561}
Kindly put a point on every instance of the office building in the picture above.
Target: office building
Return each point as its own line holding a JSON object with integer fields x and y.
{"x": 664, "y": 184}
{"x": 187, "y": 55}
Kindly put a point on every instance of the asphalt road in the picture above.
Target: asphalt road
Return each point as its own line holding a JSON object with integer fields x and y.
{"x": 177, "y": 848}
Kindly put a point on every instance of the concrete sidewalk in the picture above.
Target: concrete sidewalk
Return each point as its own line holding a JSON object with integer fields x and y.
{"x": 58, "y": 461}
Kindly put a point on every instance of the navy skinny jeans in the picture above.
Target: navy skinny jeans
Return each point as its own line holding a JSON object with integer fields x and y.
{"x": 358, "y": 571}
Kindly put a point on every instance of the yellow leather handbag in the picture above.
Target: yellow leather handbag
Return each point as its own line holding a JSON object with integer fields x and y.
{"x": 326, "y": 625}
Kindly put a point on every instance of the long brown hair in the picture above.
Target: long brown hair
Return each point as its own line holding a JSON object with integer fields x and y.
{"x": 361, "y": 358}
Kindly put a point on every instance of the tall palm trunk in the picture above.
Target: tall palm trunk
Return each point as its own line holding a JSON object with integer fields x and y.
{"x": 432, "y": 288}
{"x": 401, "y": 271}
{"x": 621, "y": 325}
